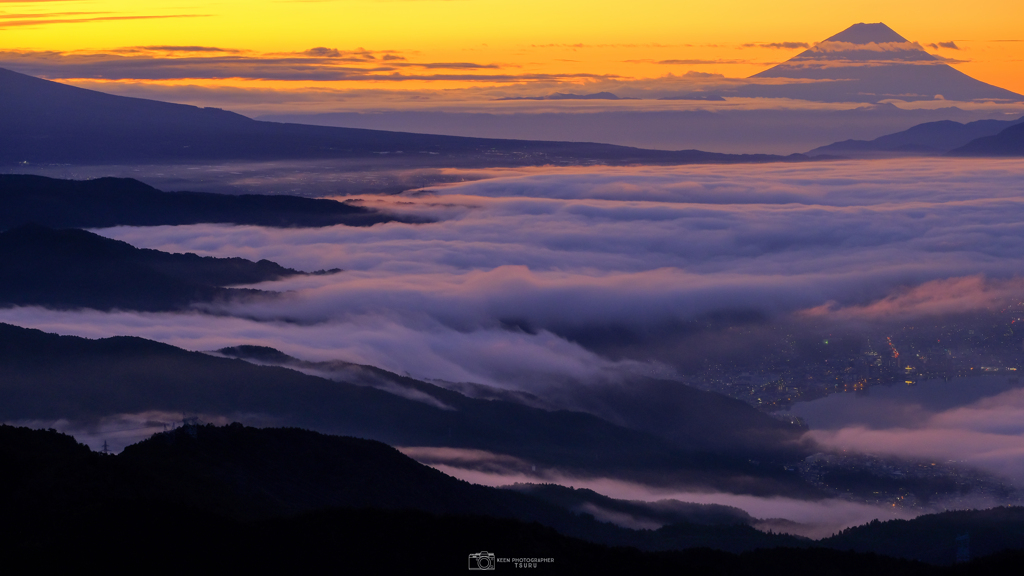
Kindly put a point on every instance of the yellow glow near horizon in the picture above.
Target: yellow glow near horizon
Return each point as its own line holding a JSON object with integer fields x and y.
{"x": 536, "y": 36}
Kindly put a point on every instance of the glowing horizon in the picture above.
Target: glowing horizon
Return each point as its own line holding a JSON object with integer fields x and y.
{"x": 527, "y": 47}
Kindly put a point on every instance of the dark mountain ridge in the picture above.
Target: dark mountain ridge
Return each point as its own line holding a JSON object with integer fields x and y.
{"x": 40, "y": 266}
{"x": 932, "y": 538}
{"x": 106, "y": 202}
{"x": 48, "y": 122}
{"x": 930, "y": 138}
{"x": 1009, "y": 142}
{"x": 234, "y": 495}
{"x": 243, "y": 473}
{"x": 49, "y": 377}
{"x": 683, "y": 415}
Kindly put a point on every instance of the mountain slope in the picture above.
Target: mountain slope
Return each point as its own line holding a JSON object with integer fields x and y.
{"x": 923, "y": 139}
{"x": 106, "y": 202}
{"x": 683, "y": 415}
{"x": 243, "y": 473}
{"x": 78, "y": 269}
{"x": 285, "y": 471}
{"x": 933, "y": 537}
{"x": 871, "y": 63}
{"x": 1009, "y": 142}
{"x": 47, "y": 122}
{"x": 230, "y": 495}
{"x": 49, "y": 377}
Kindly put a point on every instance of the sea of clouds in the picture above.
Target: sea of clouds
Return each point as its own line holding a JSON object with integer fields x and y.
{"x": 518, "y": 270}
{"x": 542, "y": 279}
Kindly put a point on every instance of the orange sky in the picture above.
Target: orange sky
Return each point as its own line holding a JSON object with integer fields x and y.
{"x": 521, "y": 45}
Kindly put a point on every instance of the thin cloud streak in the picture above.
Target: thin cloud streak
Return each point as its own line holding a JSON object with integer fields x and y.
{"x": 316, "y": 64}
{"x": 815, "y": 518}
{"x": 779, "y": 45}
{"x": 987, "y": 434}
{"x": 47, "y": 21}
{"x": 417, "y": 346}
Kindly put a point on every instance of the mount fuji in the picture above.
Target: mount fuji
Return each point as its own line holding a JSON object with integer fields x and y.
{"x": 871, "y": 63}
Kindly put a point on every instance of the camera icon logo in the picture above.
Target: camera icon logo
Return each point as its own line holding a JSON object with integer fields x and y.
{"x": 481, "y": 561}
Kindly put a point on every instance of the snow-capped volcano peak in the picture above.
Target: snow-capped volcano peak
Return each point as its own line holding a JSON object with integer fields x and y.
{"x": 862, "y": 33}
{"x": 870, "y": 63}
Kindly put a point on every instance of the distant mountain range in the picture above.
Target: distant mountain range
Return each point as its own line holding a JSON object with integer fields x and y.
{"x": 49, "y": 122}
{"x": 1009, "y": 142}
{"x": 933, "y": 138}
{"x": 870, "y": 63}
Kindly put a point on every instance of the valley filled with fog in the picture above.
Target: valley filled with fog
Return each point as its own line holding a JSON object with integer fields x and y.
{"x": 569, "y": 288}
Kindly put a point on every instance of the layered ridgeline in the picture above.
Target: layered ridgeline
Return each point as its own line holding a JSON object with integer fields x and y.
{"x": 128, "y": 386}
{"x": 48, "y": 122}
{"x": 931, "y": 139}
{"x": 88, "y": 382}
{"x": 1009, "y": 142}
{"x": 106, "y": 202}
{"x": 249, "y": 473}
{"x": 41, "y": 266}
{"x": 687, "y": 417}
{"x": 870, "y": 63}
{"x": 237, "y": 496}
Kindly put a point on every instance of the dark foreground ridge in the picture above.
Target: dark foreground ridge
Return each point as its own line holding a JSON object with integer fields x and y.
{"x": 249, "y": 474}
{"x": 287, "y": 498}
{"x": 78, "y": 269}
{"x": 982, "y": 533}
{"x": 106, "y": 202}
{"x": 49, "y": 377}
{"x": 48, "y": 122}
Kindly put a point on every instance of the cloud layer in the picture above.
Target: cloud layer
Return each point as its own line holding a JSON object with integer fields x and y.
{"x": 547, "y": 280}
{"x": 522, "y": 269}
{"x": 986, "y": 433}
{"x": 813, "y": 518}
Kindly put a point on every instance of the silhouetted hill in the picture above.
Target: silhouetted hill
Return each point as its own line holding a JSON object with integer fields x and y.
{"x": 284, "y": 471}
{"x": 46, "y": 122}
{"x": 924, "y": 139}
{"x": 175, "y": 539}
{"x": 222, "y": 496}
{"x": 1009, "y": 142}
{"x": 78, "y": 269}
{"x": 247, "y": 473}
{"x": 49, "y": 377}
{"x": 106, "y": 202}
{"x": 933, "y": 538}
